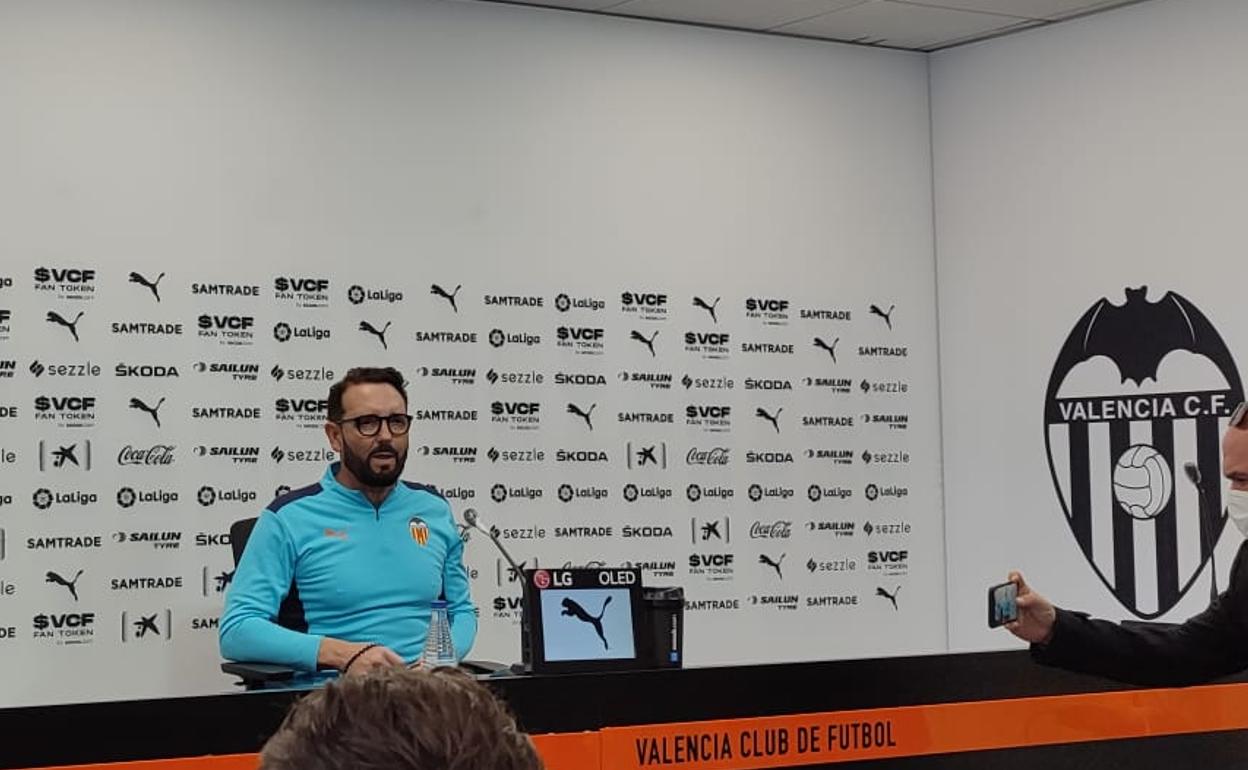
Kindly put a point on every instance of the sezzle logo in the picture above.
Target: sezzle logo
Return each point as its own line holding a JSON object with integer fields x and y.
{"x": 237, "y": 455}
{"x": 654, "y": 380}
{"x": 708, "y": 345}
{"x": 582, "y": 340}
{"x": 516, "y": 456}
{"x": 301, "y": 375}
{"x": 567, "y": 493}
{"x": 697, "y": 493}
{"x": 768, "y": 348}
{"x": 460, "y": 455}
{"x": 781, "y": 529}
{"x": 715, "y": 567}
{"x": 712, "y": 419}
{"x": 159, "y": 455}
{"x": 85, "y": 369}
{"x": 145, "y": 370}
{"x": 65, "y": 283}
{"x": 318, "y": 456}
{"x": 888, "y": 562}
{"x": 707, "y": 383}
{"x": 64, "y": 411}
{"x": 499, "y": 338}
{"x": 840, "y": 386}
{"x": 769, "y": 311}
{"x": 633, "y": 493}
{"x": 302, "y": 292}
{"x": 445, "y": 415}
{"x": 757, "y": 492}
{"x": 305, "y": 412}
{"x": 646, "y": 455}
{"x": 229, "y": 330}
{"x": 514, "y": 378}
{"x": 500, "y": 493}
{"x": 715, "y": 456}
{"x": 512, "y": 300}
{"x": 358, "y": 295}
{"x": 565, "y": 303}
{"x": 892, "y": 421}
{"x": 885, "y": 529}
{"x": 899, "y": 457}
{"x": 815, "y": 493}
{"x": 518, "y": 415}
{"x": 63, "y": 456}
{"x": 160, "y": 541}
{"x": 208, "y": 496}
{"x": 235, "y": 372}
{"x": 886, "y": 387}
{"x": 44, "y": 498}
{"x": 833, "y": 456}
{"x": 225, "y": 412}
{"x": 874, "y": 492}
{"x": 127, "y": 497}
{"x": 843, "y": 564}
{"x": 649, "y": 306}
{"x": 834, "y": 528}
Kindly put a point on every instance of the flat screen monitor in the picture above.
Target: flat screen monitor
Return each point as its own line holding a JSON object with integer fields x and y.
{"x": 584, "y": 619}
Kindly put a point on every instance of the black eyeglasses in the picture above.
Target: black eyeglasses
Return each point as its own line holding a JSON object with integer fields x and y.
{"x": 370, "y": 424}
{"x": 1237, "y": 416}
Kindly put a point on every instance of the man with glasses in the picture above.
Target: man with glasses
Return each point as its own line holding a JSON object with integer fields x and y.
{"x": 1211, "y": 644}
{"x": 367, "y": 552}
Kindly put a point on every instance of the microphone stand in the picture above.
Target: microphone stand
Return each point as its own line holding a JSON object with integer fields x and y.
{"x": 1202, "y": 504}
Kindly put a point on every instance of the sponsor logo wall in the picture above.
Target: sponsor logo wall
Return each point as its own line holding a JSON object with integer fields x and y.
{"x": 775, "y": 454}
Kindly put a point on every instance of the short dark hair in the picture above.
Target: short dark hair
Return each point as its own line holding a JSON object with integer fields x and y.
{"x": 385, "y": 375}
{"x": 400, "y": 719}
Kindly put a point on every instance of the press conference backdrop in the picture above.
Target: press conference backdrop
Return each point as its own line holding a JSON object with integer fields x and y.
{"x": 687, "y": 326}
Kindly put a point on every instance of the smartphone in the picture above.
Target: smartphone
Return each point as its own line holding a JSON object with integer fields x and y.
{"x": 1002, "y": 604}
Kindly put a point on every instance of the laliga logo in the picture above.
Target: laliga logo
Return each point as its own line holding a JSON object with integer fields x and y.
{"x": 1139, "y": 389}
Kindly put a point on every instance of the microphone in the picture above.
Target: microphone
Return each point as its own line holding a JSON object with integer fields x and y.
{"x": 470, "y": 518}
{"x": 1192, "y": 471}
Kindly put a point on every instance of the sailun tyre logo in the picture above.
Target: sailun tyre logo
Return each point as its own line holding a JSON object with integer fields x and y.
{"x": 1140, "y": 389}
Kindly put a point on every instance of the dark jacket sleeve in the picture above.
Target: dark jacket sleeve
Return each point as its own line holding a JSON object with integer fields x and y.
{"x": 1209, "y": 645}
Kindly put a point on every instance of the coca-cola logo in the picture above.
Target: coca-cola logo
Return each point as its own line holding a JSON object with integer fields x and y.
{"x": 158, "y": 454}
{"x": 713, "y": 456}
{"x": 773, "y": 530}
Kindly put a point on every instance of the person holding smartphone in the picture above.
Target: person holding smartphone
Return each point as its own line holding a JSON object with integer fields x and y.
{"x": 1214, "y": 643}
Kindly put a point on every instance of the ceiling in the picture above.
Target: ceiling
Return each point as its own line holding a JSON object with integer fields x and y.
{"x": 919, "y": 25}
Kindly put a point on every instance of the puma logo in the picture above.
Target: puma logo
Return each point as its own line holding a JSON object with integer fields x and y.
{"x": 144, "y": 625}
{"x": 438, "y": 291}
{"x": 72, "y": 585}
{"x": 576, "y": 410}
{"x": 365, "y": 326}
{"x": 223, "y": 580}
{"x": 647, "y": 342}
{"x": 152, "y": 410}
{"x": 699, "y": 302}
{"x": 765, "y": 559}
{"x": 65, "y": 454}
{"x": 891, "y": 597}
{"x": 55, "y": 318}
{"x": 773, "y": 419}
{"x": 888, "y": 317}
{"x": 572, "y": 609}
{"x": 152, "y": 285}
{"x": 819, "y": 343}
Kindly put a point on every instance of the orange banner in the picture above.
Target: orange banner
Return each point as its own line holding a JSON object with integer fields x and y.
{"x": 843, "y": 736}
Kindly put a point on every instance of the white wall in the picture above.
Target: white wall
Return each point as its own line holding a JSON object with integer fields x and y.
{"x": 513, "y": 150}
{"x": 1072, "y": 162}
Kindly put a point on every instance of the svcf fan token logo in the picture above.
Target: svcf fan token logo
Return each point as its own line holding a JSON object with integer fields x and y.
{"x": 419, "y": 530}
{"x": 281, "y": 332}
{"x": 1138, "y": 390}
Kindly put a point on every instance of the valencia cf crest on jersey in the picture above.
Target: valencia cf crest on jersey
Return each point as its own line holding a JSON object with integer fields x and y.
{"x": 1138, "y": 390}
{"x": 419, "y": 530}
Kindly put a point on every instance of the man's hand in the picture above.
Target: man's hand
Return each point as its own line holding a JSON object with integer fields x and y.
{"x": 1036, "y": 614}
{"x": 335, "y": 653}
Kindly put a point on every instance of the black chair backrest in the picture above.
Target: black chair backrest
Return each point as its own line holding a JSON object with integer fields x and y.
{"x": 290, "y": 614}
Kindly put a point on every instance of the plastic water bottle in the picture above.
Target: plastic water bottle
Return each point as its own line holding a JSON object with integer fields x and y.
{"x": 439, "y": 649}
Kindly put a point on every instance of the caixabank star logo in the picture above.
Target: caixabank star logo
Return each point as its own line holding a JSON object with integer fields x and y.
{"x": 1138, "y": 390}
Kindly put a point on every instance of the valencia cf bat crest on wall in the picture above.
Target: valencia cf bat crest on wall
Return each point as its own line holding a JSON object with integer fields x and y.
{"x": 1138, "y": 390}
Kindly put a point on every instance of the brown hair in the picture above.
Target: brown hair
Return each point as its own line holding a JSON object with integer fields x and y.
{"x": 385, "y": 375}
{"x": 399, "y": 719}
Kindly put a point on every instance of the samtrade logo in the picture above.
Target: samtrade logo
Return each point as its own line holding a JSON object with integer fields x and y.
{"x": 146, "y": 329}
{"x": 768, "y": 348}
{"x": 768, "y": 310}
{"x": 445, "y": 415}
{"x": 302, "y": 292}
{"x": 513, "y": 300}
{"x": 358, "y": 295}
{"x": 565, "y": 303}
{"x": 827, "y": 421}
{"x": 230, "y": 330}
{"x": 499, "y": 338}
{"x": 440, "y": 337}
